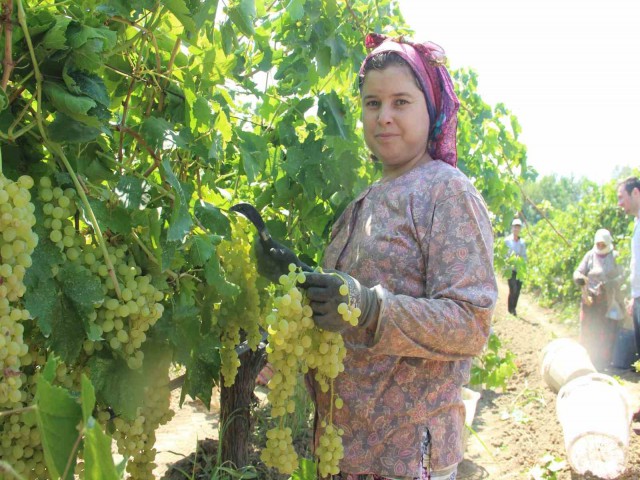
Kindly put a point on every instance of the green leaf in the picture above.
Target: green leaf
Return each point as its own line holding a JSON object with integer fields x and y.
{"x": 102, "y": 39}
{"x": 84, "y": 83}
{"x": 331, "y": 111}
{"x": 212, "y": 219}
{"x": 296, "y": 9}
{"x": 202, "y": 248}
{"x": 41, "y": 298}
{"x": 200, "y": 380}
{"x": 66, "y": 102}
{"x": 180, "y": 10}
{"x": 65, "y": 129}
{"x": 81, "y": 287}
{"x": 306, "y": 470}
{"x": 58, "y": 416}
{"x": 181, "y": 222}
{"x": 67, "y": 331}
{"x": 155, "y": 131}
{"x": 114, "y": 218}
{"x": 133, "y": 192}
{"x": 117, "y": 385}
{"x": 56, "y": 38}
{"x": 87, "y": 397}
{"x": 98, "y": 460}
{"x": 243, "y": 15}
{"x": 213, "y": 275}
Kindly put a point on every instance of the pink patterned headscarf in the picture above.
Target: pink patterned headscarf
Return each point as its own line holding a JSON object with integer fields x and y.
{"x": 427, "y": 60}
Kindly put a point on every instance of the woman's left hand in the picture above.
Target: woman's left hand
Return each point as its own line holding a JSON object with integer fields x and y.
{"x": 323, "y": 291}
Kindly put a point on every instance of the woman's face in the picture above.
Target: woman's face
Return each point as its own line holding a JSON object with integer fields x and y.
{"x": 601, "y": 245}
{"x": 395, "y": 118}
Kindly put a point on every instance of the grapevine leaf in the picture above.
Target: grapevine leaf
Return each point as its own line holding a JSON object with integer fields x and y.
{"x": 306, "y": 470}
{"x": 58, "y": 416}
{"x": 117, "y": 385}
{"x": 84, "y": 83}
{"x": 65, "y": 101}
{"x": 67, "y": 331}
{"x": 65, "y": 129}
{"x": 133, "y": 192}
{"x": 87, "y": 398}
{"x": 115, "y": 218}
{"x": 169, "y": 250}
{"x": 155, "y": 131}
{"x": 204, "y": 10}
{"x": 180, "y": 325}
{"x": 180, "y": 10}
{"x": 331, "y": 111}
{"x": 213, "y": 275}
{"x": 296, "y": 9}
{"x": 181, "y": 221}
{"x": 212, "y": 219}
{"x": 254, "y": 154}
{"x": 202, "y": 248}
{"x": 56, "y": 38}
{"x": 79, "y": 35}
{"x": 98, "y": 460}
{"x": 243, "y": 16}
{"x": 199, "y": 381}
{"x": 41, "y": 298}
{"x": 81, "y": 287}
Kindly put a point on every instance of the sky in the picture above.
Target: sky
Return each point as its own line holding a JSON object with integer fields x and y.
{"x": 568, "y": 69}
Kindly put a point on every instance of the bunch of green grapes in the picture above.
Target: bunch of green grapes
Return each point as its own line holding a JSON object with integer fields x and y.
{"x": 121, "y": 321}
{"x": 241, "y": 313}
{"x": 297, "y": 346}
{"x": 20, "y": 443}
{"x": 136, "y": 438}
{"x": 17, "y": 242}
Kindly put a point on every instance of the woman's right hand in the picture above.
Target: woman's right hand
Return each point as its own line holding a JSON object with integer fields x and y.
{"x": 274, "y": 259}
{"x": 579, "y": 278}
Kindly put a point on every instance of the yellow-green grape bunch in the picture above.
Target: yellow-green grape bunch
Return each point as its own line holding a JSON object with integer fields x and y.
{"x": 20, "y": 442}
{"x": 350, "y": 314}
{"x": 17, "y": 238}
{"x": 21, "y": 446}
{"x": 290, "y": 328}
{"x": 17, "y": 242}
{"x": 125, "y": 321}
{"x": 329, "y": 450}
{"x": 242, "y": 312}
{"x": 121, "y": 322}
{"x": 297, "y": 346}
{"x": 136, "y": 438}
{"x": 279, "y": 451}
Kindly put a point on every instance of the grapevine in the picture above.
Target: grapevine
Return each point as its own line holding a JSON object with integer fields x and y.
{"x": 296, "y": 346}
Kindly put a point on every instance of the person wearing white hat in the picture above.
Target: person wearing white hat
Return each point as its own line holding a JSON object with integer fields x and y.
{"x": 600, "y": 277}
{"x": 516, "y": 247}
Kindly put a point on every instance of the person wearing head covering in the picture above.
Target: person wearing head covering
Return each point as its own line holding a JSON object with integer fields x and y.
{"x": 416, "y": 249}
{"x": 516, "y": 247}
{"x": 600, "y": 277}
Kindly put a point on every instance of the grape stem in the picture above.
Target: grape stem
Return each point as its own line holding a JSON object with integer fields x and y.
{"x": 57, "y": 149}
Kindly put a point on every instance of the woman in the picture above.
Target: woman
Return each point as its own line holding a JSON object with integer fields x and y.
{"x": 600, "y": 278}
{"x": 416, "y": 249}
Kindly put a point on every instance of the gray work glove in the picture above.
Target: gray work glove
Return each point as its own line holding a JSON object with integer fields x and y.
{"x": 274, "y": 259}
{"x": 323, "y": 291}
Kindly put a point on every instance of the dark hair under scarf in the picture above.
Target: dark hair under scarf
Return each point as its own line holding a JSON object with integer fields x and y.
{"x": 427, "y": 61}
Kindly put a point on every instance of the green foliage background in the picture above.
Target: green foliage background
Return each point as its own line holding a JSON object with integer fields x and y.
{"x": 163, "y": 114}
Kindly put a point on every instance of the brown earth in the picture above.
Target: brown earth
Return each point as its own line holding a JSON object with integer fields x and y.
{"x": 514, "y": 430}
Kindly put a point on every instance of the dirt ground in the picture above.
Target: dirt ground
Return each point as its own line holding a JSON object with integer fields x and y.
{"x": 514, "y": 430}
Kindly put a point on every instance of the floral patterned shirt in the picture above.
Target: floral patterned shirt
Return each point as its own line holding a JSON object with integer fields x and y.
{"x": 424, "y": 241}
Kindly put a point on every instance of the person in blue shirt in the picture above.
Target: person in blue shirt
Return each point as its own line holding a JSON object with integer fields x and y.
{"x": 516, "y": 247}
